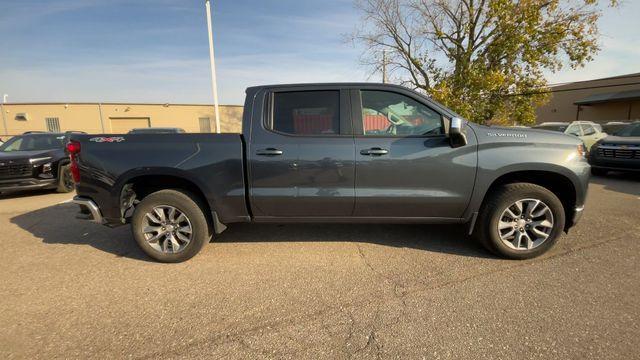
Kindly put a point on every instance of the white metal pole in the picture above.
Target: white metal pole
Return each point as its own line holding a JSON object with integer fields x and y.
{"x": 4, "y": 119}
{"x": 214, "y": 84}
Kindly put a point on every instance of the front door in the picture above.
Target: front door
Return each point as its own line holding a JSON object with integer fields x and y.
{"x": 405, "y": 166}
{"x": 302, "y": 158}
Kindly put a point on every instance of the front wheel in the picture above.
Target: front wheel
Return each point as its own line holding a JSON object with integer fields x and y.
{"x": 65, "y": 180}
{"x": 520, "y": 221}
{"x": 170, "y": 226}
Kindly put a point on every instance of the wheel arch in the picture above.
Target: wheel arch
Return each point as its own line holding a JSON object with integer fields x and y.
{"x": 558, "y": 183}
{"x": 137, "y": 185}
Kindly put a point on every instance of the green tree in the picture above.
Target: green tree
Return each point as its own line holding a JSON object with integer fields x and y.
{"x": 479, "y": 56}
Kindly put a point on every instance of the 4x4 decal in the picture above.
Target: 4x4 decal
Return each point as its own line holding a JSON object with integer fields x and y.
{"x": 110, "y": 139}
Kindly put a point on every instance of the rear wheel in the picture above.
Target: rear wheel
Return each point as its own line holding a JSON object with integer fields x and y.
{"x": 65, "y": 180}
{"x": 170, "y": 226}
{"x": 520, "y": 221}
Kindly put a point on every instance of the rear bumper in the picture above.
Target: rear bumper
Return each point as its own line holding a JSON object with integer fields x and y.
{"x": 88, "y": 210}
{"x": 10, "y": 185}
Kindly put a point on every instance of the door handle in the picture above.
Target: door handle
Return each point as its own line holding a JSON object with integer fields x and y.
{"x": 269, "y": 152}
{"x": 374, "y": 151}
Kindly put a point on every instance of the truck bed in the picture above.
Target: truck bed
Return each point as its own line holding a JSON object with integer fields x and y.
{"x": 213, "y": 163}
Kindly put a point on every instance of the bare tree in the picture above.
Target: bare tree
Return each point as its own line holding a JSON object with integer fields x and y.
{"x": 470, "y": 54}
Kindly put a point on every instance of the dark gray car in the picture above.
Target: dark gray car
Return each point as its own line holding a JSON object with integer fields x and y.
{"x": 336, "y": 153}
{"x": 617, "y": 152}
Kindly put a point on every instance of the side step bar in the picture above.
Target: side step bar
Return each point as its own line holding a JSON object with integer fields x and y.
{"x": 88, "y": 209}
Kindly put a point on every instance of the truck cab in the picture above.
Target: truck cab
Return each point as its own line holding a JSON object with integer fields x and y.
{"x": 360, "y": 151}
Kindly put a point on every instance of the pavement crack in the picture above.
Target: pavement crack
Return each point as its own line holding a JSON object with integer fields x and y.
{"x": 335, "y": 311}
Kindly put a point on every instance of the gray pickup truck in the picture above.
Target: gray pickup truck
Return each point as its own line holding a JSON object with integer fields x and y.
{"x": 357, "y": 153}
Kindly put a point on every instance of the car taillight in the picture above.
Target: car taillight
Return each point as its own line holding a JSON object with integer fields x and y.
{"x": 73, "y": 148}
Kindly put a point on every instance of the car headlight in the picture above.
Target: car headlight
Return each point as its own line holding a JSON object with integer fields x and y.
{"x": 46, "y": 168}
{"x": 36, "y": 160}
{"x": 582, "y": 150}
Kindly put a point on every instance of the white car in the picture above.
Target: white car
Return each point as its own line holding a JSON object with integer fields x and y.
{"x": 589, "y": 132}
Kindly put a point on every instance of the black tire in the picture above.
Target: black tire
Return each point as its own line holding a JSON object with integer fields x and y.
{"x": 185, "y": 203}
{"x": 598, "y": 171}
{"x": 497, "y": 201}
{"x": 65, "y": 179}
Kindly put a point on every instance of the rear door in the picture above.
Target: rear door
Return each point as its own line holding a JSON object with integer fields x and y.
{"x": 302, "y": 161}
{"x": 405, "y": 167}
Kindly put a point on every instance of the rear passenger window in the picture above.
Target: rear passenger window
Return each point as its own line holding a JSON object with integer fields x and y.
{"x": 307, "y": 112}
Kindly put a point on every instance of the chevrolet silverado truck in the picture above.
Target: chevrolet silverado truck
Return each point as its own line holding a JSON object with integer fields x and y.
{"x": 35, "y": 160}
{"x": 355, "y": 153}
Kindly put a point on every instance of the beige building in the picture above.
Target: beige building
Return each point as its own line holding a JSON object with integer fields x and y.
{"x": 600, "y": 100}
{"x": 114, "y": 117}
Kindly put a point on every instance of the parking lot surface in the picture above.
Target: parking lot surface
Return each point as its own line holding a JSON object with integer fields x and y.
{"x": 75, "y": 289}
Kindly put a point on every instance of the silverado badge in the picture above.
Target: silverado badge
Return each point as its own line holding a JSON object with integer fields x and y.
{"x": 109, "y": 139}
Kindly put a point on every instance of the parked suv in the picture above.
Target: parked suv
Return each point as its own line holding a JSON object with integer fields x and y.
{"x": 619, "y": 152}
{"x": 35, "y": 160}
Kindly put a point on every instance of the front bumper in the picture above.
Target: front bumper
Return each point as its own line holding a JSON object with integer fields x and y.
{"x": 10, "y": 185}
{"x": 88, "y": 210}
{"x": 577, "y": 215}
{"x": 615, "y": 164}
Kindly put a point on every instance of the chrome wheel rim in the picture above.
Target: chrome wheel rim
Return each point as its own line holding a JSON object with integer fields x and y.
{"x": 167, "y": 229}
{"x": 67, "y": 180}
{"x": 525, "y": 224}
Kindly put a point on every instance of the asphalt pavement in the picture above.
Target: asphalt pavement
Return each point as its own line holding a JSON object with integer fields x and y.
{"x": 73, "y": 289}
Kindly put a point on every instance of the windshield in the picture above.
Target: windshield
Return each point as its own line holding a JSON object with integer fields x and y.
{"x": 613, "y": 128}
{"x": 33, "y": 143}
{"x": 629, "y": 130}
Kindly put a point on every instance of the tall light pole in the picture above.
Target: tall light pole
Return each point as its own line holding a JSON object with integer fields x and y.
{"x": 214, "y": 85}
{"x": 4, "y": 119}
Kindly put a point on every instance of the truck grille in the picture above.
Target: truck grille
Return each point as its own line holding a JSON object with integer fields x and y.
{"x": 619, "y": 152}
{"x": 15, "y": 170}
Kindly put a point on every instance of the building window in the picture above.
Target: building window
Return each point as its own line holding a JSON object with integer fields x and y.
{"x": 53, "y": 124}
{"x": 205, "y": 124}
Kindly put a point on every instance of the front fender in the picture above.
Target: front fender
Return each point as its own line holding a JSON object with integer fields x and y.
{"x": 495, "y": 162}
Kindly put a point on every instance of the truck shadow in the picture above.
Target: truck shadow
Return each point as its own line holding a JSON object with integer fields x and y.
{"x": 25, "y": 193}
{"x": 57, "y": 225}
{"x": 450, "y": 239}
{"x": 628, "y": 183}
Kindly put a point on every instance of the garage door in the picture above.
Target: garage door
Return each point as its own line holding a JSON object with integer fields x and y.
{"x": 123, "y": 125}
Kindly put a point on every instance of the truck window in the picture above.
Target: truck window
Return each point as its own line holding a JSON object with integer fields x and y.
{"x": 391, "y": 114}
{"x": 307, "y": 112}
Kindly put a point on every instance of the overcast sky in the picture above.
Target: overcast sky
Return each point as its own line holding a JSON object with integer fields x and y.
{"x": 157, "y": 50}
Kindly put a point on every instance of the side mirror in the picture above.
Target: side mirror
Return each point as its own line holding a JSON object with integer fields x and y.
{"x": 457, "y": 137}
